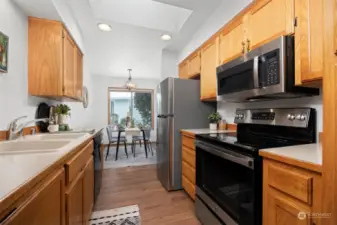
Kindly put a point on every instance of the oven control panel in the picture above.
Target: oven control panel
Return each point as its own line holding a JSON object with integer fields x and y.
{"x": 294, "y": 117}
{"x": 263, "y": 115}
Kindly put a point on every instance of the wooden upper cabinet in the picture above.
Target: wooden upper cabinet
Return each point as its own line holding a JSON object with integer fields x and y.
{"x": 269, "y": 19}
{"x": 52, "y": 61}
{"x": 194, "y": 65}
{"x": 45, "y": 60}
{"x": 69, "y": 65}
{"x": 209, "y": 63}
{"x": 308, "y": 41}
{"x": 79, "y": 74}
{"x": 232, "y": 43}
{"x": 45, "y": 206}
{"x": 183, "y": 70}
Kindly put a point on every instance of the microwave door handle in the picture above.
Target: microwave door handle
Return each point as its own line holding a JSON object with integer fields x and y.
{"x": 256, "y": 72}
{"x": 245, "y": 161}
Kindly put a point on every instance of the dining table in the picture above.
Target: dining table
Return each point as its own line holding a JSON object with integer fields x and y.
{"x": 134, "y": 131}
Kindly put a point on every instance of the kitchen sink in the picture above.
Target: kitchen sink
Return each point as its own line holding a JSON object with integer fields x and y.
{"x": 16, "y": 147}
{"x": 61, "y": 136}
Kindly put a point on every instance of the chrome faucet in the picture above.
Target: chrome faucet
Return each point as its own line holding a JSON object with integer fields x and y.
{"x": 16, "y": 130}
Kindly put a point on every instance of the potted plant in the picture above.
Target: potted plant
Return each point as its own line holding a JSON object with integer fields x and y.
{"x": 62, "y": 111}
{"x": 213, "y": 119}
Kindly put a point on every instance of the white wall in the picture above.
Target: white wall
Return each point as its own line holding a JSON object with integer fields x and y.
{"x": 169, "y": 64}
{"x": 225, "y": 12}
{"x": 14, "y": 98}
{"x": 227, "y": 110}
{"x": 100, "y": 99}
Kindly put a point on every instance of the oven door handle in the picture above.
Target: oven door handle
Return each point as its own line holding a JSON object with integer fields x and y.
{"x": 228, "y": 155}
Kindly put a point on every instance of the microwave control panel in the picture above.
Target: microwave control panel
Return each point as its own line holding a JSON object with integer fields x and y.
{"x": 269, "y": 68}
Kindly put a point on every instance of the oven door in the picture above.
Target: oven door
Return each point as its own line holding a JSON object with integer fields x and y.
{"x": 225, "y": 179}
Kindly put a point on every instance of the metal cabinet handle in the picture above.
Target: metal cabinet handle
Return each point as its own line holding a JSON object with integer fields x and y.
{"x": 248, "y": 45}
{"x": 243, "y": 47}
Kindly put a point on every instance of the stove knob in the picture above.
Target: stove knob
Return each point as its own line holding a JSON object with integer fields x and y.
{"x": 298, "y": 116}
{"x": 291, "y": 116}
{"x": 241, "y": 116}
{"x": 303, "y": 117}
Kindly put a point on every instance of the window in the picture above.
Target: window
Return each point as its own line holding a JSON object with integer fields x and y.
{"x": 137, "y": 104}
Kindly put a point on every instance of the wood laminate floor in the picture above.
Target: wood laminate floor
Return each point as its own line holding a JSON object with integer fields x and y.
{"x": 139, "y": 185}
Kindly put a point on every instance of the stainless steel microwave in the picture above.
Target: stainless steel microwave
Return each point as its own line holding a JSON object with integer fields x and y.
{"x": 265, "y": 73}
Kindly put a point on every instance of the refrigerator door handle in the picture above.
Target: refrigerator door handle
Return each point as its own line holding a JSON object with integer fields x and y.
{"x": 165, "y": 116}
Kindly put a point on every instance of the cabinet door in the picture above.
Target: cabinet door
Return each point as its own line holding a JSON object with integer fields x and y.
{"x": 209, "y": 63}
{"x": 88, "y": 189}
{"x": 194, "y": 65}
{"x": 79, "y": 75}
{"x": 69, "y": 62}
{"x": 269, "y": 19}
{"x": 44, "y": 57}
{"x": 45, "y": 206}
{"x": 232, "y": 43}
{"x": 183, "y": 70}
{"x": 74, "y": 202}
{"x": 285, "y": 211}
{"x": 308, "y": 40}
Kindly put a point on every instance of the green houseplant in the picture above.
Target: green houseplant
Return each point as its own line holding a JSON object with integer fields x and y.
{"x": 214, "y": 119}
{"x": 62, "y": 111}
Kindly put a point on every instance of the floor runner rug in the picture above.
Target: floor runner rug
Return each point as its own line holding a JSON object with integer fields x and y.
{"x": 128, "y": 215}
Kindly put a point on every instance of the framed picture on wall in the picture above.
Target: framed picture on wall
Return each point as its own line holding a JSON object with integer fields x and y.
{"x": 3, "y": 53}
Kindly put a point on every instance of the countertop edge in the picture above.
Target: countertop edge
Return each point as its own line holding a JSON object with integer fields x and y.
{"x": 187, "y": 133}
{"x": 291, "y": 161}
{"x": 21, "y": 190}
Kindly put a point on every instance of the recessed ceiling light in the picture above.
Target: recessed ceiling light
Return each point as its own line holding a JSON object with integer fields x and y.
{"x": 166, "y": 37}
{"x": 104, "y": 27}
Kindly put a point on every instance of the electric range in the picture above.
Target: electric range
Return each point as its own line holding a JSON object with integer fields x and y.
{"x": 229, "y": 168}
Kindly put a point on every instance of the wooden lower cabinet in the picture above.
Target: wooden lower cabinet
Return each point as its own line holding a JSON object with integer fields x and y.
{"x": 45, "y": 206}
{"x": 290, "y": 194}
{"x": 80, "y": 192}
{"x": 74, "y": 202}
{"x": 188, "y": 164}
{"x": 283, "y": 210}
{"x": 65, "y": 197}
{"x": 88, "y": 189}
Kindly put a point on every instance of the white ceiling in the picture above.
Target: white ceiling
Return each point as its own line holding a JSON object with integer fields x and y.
{"x": 137, "y": 25}
{"x": 143, "y": 13}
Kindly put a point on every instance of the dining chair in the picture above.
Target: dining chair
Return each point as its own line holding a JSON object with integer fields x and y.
{"x": 146, "y": 137}
{"x": 113, "y": 139}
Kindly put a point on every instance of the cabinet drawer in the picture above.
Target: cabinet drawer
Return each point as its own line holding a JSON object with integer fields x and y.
{"x": 189, "y": 172}
{"x": 188, "y": 142}
{"x": 189, "y": 156}
{"x": 78, "y": 162}
{"x": 291, "y": 181}
{"x": 189, "y": 187}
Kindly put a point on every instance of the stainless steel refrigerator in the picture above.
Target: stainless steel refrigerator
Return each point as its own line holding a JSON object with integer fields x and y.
{"x": 178, "y": 107}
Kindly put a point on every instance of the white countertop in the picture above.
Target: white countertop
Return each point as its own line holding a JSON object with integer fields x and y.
{"x": 310, "y": 153}
{"x": 18, "y": 169}
{"x": 208, "y": 131}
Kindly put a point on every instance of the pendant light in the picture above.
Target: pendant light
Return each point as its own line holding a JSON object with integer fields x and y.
{"x": 129, "y": 85}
